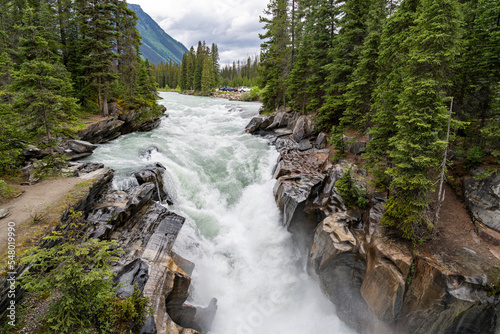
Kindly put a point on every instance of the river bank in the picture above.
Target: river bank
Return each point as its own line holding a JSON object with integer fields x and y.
{"x": 447, "y": 285}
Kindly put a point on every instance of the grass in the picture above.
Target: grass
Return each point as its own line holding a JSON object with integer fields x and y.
{"x": 7, "y": 191}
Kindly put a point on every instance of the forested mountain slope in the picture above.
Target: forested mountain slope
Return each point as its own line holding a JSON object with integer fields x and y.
{"x": 157, "y": 45}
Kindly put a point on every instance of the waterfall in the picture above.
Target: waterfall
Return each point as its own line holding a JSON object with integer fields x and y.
{"x": 222, "y": 180}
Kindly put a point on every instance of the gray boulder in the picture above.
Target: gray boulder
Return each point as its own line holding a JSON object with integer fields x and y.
{"x": 482, "y": 195}
{"x": 102, "y": 132}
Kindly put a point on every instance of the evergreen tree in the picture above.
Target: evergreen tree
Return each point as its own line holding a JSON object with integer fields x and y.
{"x": 421, "y": 115}
{"x": 275, "y": 54}
{"x": 393, "y": 55}
{"x": 215, "y": 65}
{"x": 99, "y": 36}
{"x": 307, "y": 76}
{"x": 11, "y": 132}
{"x": 191, "y": 64}
{"x": 198, "y": 69}
{"x": 358, "y": 97}
{"x": 42, "y": 84}
{"x": 184, "y": 74}
{"x": 344, "y": 55}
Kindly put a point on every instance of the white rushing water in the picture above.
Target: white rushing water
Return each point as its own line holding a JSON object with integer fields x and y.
{"x": 220, "y": 178}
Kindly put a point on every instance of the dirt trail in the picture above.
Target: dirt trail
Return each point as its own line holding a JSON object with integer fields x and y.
{"x": 35, "y": 199}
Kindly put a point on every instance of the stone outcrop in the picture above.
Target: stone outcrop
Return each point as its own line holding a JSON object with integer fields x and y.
{"x": 379, "y": 285}
{"x": 109, "y": 129}
{"x": 154, "y": 174}
{"x": 146, "y": 231}
{"x": 483, "y": 198}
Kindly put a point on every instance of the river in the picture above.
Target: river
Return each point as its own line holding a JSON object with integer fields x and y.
{"x": 220, "y": 180}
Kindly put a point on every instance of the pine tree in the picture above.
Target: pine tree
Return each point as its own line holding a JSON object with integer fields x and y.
{"x": 215, "y": 65}
{"x": 11, "y": 132}
{"x": 344, "y": 55}
{"x": 421, "y": 115}
{"x": 191, "y": 64}
{"x": 42, "y": 84}
{"x": 393, "y": 55}
{"x": 198, "y": 69}
{"x": 275, "y": 54}
{"x": 96, "y": 45}
{"x": 358, "y": 97}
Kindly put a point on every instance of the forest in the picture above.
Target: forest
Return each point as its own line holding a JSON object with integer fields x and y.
{"x": 201, "y": 71}
{"x": 62, "y": 60}
{"x": 392, "y": 71}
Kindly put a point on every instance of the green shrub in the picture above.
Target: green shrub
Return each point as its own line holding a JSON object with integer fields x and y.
{"x": 7, "y": 191}
{"x": 474, "y": 156}
{"x": 50, "y": 165}
{"x": 352, "y": 194}
{"x": 78, "y": 273}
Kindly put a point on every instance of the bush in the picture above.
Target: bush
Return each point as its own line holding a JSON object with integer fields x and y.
{"x": 352, "y": 194}
{"x": 474, "y": 156}
{"x": 79, "y": 270}
{"x": 7, "y": 191}
{"x": 50, "y": 165}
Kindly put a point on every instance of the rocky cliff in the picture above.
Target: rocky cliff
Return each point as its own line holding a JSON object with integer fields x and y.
{"x": 146, "y": 231}
{"x": 380, "y": 284}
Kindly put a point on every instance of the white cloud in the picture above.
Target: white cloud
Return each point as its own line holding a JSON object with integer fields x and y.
{"x": 233, "y": 25}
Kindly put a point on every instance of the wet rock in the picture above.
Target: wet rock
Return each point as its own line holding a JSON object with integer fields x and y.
{"x": 146, "y": 154}
{"x": 89, "y": 167}
{"x": 254, "y": 124}
{"x": 148, "y": 125}
{"x": 154, "y": 174}
{"x": 333, "y": 237}
{"x": 483, "y": 197}
{"x": 259, "y": 123}
{"x": 80, "y": 146}
{"x": 341, "y": 270}
{"x": 298, "y": 174}
{"x": 285, "y": 144}
{"x": 328, "y": 201}
{"x": 102, "y": 132}
{"x": 117, "y": 207}
{"x": 388, "y": 267}
{"x": 134, "y": 274}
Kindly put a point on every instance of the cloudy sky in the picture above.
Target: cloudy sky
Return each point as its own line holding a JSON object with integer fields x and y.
{"x": 232, "y": 24}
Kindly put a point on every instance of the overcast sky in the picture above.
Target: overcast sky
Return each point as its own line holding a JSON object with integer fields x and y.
{"x": 232, "y": 24}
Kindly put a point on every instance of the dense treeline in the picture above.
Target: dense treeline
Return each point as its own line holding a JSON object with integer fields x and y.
{"x": 199, "y": 70}
{"x": 241, "y": 73}
{"x": 391, "y": 70}
{"x": 61, "y": 57}
{"x": 182, "y": 77}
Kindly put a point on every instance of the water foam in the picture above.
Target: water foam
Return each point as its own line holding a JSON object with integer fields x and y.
{"x": 223, "y": 186}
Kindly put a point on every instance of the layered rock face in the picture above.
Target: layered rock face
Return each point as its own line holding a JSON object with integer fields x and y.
{"x": 483, "y": 199}
{"x": 146, "y": 231}
{"x": 121, "y": 123}
{"x": 377, "y": 284}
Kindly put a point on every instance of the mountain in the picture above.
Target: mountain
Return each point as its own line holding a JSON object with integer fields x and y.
{"x": 157, "y": 45}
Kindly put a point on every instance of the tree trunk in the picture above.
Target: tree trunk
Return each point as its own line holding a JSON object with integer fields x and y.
{"x": 105, "y": 106}
{"x": 440, "y": 198}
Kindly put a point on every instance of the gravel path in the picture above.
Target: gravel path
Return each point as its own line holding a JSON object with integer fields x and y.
{"x": 34, "y": 200}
